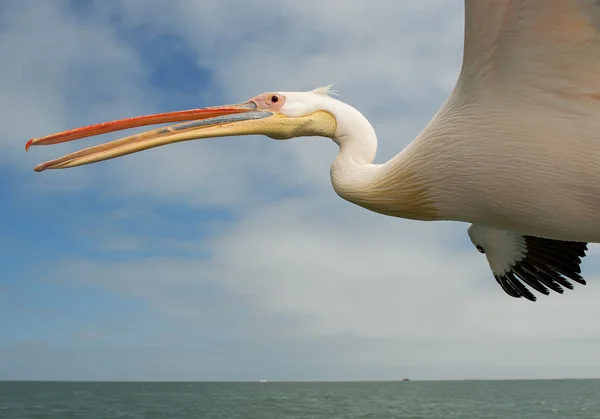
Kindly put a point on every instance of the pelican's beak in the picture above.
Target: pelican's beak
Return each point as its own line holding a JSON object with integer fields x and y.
{"x": 231, "y": 120}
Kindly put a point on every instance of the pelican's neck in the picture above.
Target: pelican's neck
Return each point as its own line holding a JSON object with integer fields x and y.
{"x": 393, "y": 188}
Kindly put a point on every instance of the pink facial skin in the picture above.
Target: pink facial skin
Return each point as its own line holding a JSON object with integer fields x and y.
{"x": 269, "y": 101}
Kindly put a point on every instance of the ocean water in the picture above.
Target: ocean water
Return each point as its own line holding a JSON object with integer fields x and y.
{"x": 537, "y": 399}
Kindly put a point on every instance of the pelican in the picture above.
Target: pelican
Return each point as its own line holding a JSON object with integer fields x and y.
{"x": 514, "y": 150}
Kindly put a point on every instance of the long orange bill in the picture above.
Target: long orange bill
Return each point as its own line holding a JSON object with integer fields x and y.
{"x": 137, "y": 121}
{"x": 208, "y": 122}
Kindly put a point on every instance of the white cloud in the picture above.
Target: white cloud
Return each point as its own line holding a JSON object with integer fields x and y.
{"x": 389, "y": 293}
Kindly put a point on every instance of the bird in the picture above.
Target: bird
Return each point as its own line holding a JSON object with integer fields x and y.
{"x": 514, "y": 151}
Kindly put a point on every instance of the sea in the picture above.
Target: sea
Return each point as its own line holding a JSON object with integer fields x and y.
{"x": 527, "y": 399}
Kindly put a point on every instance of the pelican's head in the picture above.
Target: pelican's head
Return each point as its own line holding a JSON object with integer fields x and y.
{"x": 277, "y": 115}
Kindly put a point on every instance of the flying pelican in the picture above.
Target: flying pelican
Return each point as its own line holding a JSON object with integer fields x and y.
{"x": 514, "y": 150}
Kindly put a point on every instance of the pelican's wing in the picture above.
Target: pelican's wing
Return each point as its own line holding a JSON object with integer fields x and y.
{"x": 531, "y": 46}
{"x": 517, "y": 260}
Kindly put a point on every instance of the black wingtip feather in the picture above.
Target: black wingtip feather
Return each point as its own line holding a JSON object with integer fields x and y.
{"x": 507, "y": 287}
{"x": 520, "y": 287}
{"x": 546, "y": 265}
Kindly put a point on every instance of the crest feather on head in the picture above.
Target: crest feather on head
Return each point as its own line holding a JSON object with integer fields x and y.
{"x": 325, "y": 90}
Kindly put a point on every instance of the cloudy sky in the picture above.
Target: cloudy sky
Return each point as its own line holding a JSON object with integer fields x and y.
{"x": 233, "y": 259}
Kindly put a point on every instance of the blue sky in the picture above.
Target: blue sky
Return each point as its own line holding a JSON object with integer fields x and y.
{"x": 233, "y": 258}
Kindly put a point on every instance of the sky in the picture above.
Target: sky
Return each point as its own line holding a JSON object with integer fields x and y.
{"x": 233, "y": 259}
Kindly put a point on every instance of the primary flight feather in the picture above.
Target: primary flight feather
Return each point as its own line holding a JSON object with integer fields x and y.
{"x": 514, "y": 150}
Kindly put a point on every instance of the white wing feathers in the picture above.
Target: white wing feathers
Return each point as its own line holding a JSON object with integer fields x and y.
{"x": 517, "y": 260}
{"x": 535, "y": 44}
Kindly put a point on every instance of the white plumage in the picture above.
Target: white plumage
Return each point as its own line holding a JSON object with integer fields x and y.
{"x": 502, "y": 248}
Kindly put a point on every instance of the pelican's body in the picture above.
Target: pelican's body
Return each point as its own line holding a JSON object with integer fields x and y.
{"x": 515, "y": 149}
{"x": 517, "y": 144}
{"x": 472, "y": 165}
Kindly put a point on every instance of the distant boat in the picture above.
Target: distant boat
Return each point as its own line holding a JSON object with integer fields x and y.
{"x": 262, "y": 381}
{"x": 405, "y": 379}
